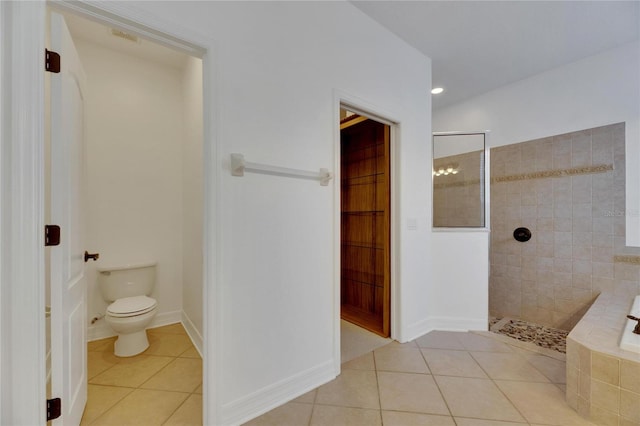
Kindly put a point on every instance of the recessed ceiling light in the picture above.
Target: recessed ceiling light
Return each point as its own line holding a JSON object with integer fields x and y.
{"x": 437, "y": 90}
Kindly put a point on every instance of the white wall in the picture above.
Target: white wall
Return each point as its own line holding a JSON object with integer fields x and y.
{"x": 460, "y": 290}
{"x": 449, "y": 145}
{"x": 192, "y": 203}
{"x": 277, "y": 69}
{"x": 134, "y": 131}
{"x": 599, "y": 90}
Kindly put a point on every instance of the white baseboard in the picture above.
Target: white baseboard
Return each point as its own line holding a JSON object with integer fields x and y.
{"x": 415, "y": 330}
{"x": 272, "y": 396}
{"x": 166, "y": 318}
{"x": 459, "y": 324}
{"x": 422, "y": 327}
{"x": 101, "y": 330}
{"x": 193, "y": 332}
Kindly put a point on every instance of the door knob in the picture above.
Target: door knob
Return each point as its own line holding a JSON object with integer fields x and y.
{"x": 94, "y": 256}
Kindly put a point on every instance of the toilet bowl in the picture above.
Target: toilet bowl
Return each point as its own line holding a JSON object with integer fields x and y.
{"x": 129, "y": 317}
{"x": 127, "y": 287}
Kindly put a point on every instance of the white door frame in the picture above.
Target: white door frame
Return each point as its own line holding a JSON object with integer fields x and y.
{"x": 22, "y": 345}
{"x": 363, "y": 107}
{"x": 22, "y": 320}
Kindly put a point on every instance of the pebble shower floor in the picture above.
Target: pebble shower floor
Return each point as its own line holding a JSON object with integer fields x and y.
{"x": 543, "y": 336}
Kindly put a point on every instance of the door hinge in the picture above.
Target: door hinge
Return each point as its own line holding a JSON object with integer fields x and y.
{"x": 54, "y": 408}
{"x": 51, "y": 61}
{"x": 51, "y": 235}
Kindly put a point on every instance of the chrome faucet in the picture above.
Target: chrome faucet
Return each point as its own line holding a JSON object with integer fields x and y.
{"x": 636, "y": 330}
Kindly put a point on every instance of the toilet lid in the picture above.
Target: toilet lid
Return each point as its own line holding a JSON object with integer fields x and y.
{"x": 130, "y": 306}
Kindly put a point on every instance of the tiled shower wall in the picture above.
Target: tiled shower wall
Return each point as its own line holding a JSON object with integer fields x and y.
{"x": 569, "y": 190}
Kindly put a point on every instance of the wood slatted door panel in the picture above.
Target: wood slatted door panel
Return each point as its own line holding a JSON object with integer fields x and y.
{"x": 365, "y": 226}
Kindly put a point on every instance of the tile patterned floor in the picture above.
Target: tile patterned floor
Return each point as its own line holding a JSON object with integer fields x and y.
{"x": 161, "y": 386}
{"x": 440, "y": 379}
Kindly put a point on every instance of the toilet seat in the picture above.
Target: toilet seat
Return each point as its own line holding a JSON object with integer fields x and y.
{"x": 131, "y": 306}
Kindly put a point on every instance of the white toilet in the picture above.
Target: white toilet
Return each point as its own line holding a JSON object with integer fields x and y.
{"x": 128, "y": 287}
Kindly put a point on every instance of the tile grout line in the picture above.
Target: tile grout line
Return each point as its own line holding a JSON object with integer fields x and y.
{"x": 496, "y": 385}
{"x": 375, "y": 369}
{"x": 501, "y": 392}
{"x": 313, "y": 405}
{"x": 139, "y": 387}
{"x": 433, "y": 377}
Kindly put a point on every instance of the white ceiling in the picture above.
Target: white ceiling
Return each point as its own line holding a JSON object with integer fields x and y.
{"x": 477, "y": 46}
{"x": 84, "y": 29}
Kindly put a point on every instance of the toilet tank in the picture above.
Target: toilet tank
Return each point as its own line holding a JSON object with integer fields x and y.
{"x": 128, "y": 280}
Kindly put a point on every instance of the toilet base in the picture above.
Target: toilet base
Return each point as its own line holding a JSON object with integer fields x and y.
{"x": 131, "y": 344}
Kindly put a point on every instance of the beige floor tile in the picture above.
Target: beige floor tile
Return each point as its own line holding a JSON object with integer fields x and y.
{"x": 474, "y": 342}
{"x": 192, "y": 352}
{"x": 540, "y": 403}
{"x": 396, "y": 344}
{"x": 188, "y": 414}
{"x": 476, "y": 398}
{"x": 364, "y": 362}
{"x": 508, "y": 366}
{"x": 398, "y": 418}
{"x": 307, "y": 398}
{"x": 143, "y": 407}
{"x": 530, "y": 348}
{"x": 440, "y": 340}
{"x": 410, "y": 392}
{"x": 131, "y": 372}
{"x": 167, "y": 344}
{"x": 356, "y": 341}
{"x": 400, "y": 359}
{"x": 324, "y": 415}
{"x": 353, "y": 388}
{"x": 97, "y": 362}
{"x": 176, "y": 328}
{"x": 443, "y": 362}
{"x": 180, "y": 375}
{"x": 461, "y": 421}
{"x": 553, "y": 369}
{"x": 100, "y": 399}
{"x": 101, "y": 345}
{"x": 291, "y": 414}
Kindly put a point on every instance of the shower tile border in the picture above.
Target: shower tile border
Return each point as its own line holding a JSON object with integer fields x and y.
{"x": 635, "y": 260}
{"x": 456, "y": 184}
{"x": 557, "y": 173}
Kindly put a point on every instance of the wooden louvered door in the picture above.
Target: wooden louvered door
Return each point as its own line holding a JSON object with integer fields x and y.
{"x": 365, "y": 224}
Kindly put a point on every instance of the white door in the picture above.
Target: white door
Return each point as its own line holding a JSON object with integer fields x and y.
{"x": 68, "y": 281}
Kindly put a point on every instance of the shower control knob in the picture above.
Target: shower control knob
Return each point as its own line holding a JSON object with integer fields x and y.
{"x": 94, "y": 256}
{"x": 522, "y": 234}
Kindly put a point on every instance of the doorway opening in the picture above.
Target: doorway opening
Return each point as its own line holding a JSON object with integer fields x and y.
{"x": 365, "y": 223}
{"x": 141, "y": 155}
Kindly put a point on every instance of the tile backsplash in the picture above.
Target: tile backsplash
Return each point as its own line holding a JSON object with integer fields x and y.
{"x": 569, "y": 190}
